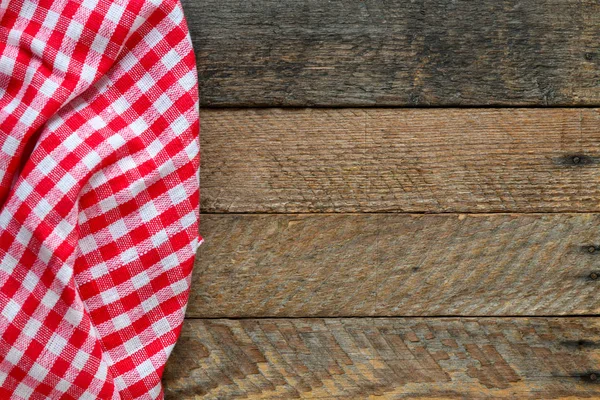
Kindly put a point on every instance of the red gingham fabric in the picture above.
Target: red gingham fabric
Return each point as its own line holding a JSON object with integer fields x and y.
{"x": 99, "y": 191}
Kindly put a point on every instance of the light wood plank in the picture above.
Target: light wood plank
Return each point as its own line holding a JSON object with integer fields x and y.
{"x": 373, "y": 52}
{"x": 391, "y": 358}
{"x": 396, "y": 265}
{"x": 407, "y": 160}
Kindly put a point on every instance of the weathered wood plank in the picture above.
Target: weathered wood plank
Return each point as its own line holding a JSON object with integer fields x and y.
{"x": 396, "y": 265}
{"x": 484, "y": 358}
{"x": 409, "y": 160}
{"x": 373, "y": 52}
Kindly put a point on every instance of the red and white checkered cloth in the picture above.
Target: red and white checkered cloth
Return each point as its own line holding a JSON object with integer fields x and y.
{"x": 99, "y": 194}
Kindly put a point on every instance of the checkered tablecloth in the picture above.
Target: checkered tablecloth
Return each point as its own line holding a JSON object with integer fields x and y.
{"x": 99, "y": 194}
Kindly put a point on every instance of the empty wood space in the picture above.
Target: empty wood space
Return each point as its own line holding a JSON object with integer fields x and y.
{"x": 399, "y": 200}
{"x": 433, "y": 358}
{"x": 395, "y": 52}
{"x": 408, "y": 160}
{"x": 295, "y": 265}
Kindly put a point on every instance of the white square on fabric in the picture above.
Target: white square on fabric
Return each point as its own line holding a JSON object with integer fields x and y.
{"x": 66, "y": 183}
{"x": 121, "y": 105}
{"x": 150, "y": 303}
{"x": 42, "y": 208}
{"x": 109, "y": 296}
{"x": 140, "y": 280}
{"x": 8, "y": 263}
{"x": 145, "y": 83}
{"x": 144, "y": 369}
{"x": 10, "y": 310}
{"x": 116, "y": 141}
{"x": 30, "y": 281}
{"x": 159, "y": 238}
{"x": 148, "y": 212}
{"x": 133, "y": 345}
{"x": 87, "y": 244}
{"x": 163, "y": 103}
{"x": 74, "y": 30}
{"x": 29, "y": 116}
{"x": 80, "y": 359}
{"x": 23, "y": 391}
{"x": 72, "y": 141}
{"x": 188, "y": 81}
{"x": 118, "y": 229}
{"x": 61, "y": 62}
{"x": 180, "y": 125}
{"x": 153, "y": 37}
{"x": 98, "y": 270}
{"x": 49, "y": 87}
{"x": 14, "y": 356}
{"x": 63, "y": 386}
{"x": 32, "y": 327}
{"x": 178, "y": 194}
{"x": 38, "y": 371}
{"x": 115, "y": 12}
{"x": 97, "y": 122}
{"x": 56, "y": 344}
{"x": 63, "y": 229}
{"x": 47, "y": 165}
{"x": 100, "y": 44}
{"x": 129, "y": 255}
{"x": 50, "y": 299}
{"x": 10, "y": 145}
{"x": 121, "y": 321}
{"x": 139, "y": 126}
{"x": 91, "y": 159}
{"x": 51, "y": 20}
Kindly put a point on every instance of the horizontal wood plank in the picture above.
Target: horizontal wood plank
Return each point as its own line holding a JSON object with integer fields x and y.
{"x": 522, "y": 358}
{"x": 396, "y": 53}
{"x": 407, "y": 160}
{"x": 396, "y": 265}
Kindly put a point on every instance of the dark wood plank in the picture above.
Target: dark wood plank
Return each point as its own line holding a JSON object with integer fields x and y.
{"x": 408, "y": 160}
{"x": 373, "y": 52}
{"x": 396, "y": 265}
{"x": 522, "y": 358}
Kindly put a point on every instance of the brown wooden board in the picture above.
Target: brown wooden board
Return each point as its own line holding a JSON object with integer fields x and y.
{"x": 396, "y": 53}
{"x": 396, "y": 265}
{"x": 391, "y": 358}
{"x": 405, "y": 160}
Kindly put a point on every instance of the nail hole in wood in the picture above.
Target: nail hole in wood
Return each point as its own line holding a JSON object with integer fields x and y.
{"x": 592, "y": 249}
{"x": 575, "y": 159}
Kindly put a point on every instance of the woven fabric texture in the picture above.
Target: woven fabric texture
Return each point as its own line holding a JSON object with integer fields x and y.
{"x": 99, "y": 192}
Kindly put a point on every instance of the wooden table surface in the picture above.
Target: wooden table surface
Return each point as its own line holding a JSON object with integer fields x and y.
{"x": 399, "y": 199}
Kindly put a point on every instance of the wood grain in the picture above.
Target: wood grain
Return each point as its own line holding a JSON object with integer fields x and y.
{"x": 520, "y": 358}
{"x": 406, "y": 160}
{"x": 396, "y": 53}
{"x": 396, "y": 265}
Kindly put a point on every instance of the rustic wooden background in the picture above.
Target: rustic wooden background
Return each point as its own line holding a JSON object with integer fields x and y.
{"x": 400, "y": 199}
